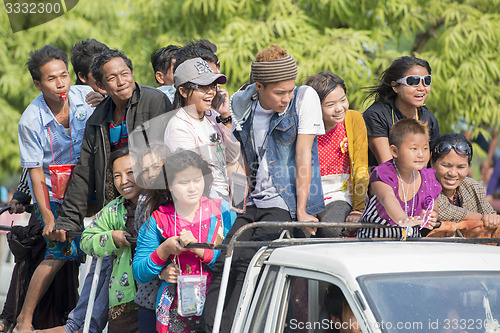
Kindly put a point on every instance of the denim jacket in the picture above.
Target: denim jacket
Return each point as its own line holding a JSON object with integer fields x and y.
{"x": 280, "y": 148}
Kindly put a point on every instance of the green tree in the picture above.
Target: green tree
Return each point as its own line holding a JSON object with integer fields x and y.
{"x": 355, "y": 39}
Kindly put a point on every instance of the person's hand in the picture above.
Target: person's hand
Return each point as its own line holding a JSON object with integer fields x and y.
{"x": 491, "y": 221}
{"x": 353, "y": 218}
{"x": 224, "y": 107}
{"x": 16, "y": 207}
{"x": 172, "y": 246}
{"x": 170, "y": 273}
{"x": 304, "y": 217}
{"x": 431, "y": 222}
{"x": 410, "y": 221}
{"x": 59, "y": 235}
{"x": 186, "y": 237}
{"x": 93, "y": 98}
{"x": 119, "y": 237}
{"x": 48, "y": 226}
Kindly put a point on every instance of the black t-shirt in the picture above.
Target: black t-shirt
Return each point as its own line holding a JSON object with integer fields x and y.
{"x": 380, "y": 117}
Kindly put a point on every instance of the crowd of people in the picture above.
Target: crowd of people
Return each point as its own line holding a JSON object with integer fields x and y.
{"x": 157, "y": 169}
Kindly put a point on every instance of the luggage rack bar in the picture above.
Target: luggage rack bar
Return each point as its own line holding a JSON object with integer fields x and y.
{"x": 304, "y": 241}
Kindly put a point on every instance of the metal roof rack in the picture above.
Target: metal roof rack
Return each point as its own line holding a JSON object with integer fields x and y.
{"x": 286, "y": 240}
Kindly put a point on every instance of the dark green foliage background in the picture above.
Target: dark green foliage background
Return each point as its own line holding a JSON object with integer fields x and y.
{"x": 355, "y": 39}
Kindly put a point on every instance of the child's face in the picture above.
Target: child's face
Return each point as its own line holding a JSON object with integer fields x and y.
{"x": 187, "y": 187}
{"x": 413, "y": 154}
{"x": 123, "y": 178}
{"x": 334, "y": 107}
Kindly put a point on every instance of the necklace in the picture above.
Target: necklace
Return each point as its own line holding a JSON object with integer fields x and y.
{"x": 176, "y": 258}
{"x": 197, "y": 118}
{"x": 404, "y": 193}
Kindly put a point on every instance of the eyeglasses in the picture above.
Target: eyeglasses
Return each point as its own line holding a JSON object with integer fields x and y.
{"x": 414, "y": 80}
{"x": 206, "y": 89}
{"x": 461, "y": 148}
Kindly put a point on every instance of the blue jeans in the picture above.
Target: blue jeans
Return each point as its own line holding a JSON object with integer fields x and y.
{"x": 76, "y": 318}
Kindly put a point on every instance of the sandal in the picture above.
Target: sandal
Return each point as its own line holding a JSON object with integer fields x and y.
{"x": 5, "y": 326}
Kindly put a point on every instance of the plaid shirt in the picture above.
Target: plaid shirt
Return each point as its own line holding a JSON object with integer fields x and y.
{"x": 472, "y": 197}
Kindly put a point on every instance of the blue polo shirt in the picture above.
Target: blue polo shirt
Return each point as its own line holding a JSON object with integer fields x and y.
{"x": 33, "y": 132}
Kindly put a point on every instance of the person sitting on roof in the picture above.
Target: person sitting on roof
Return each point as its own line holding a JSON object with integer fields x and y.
{"x": 402, "y": 190}
{"x": 462, "y": 198}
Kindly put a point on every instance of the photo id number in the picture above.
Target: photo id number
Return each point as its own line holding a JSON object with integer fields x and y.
{"x": 32, "y": 8}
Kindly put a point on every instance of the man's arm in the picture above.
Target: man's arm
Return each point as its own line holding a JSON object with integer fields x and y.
{"x": 449, "y": 212}
{"x": 303, "y": 175}
{"x": 38, "y": 184}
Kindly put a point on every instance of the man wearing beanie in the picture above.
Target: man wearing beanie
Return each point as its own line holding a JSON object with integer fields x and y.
{"x": 276, "y": 124}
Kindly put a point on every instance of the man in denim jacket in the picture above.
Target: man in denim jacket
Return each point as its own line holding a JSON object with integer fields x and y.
{"x": 276, "y": 124}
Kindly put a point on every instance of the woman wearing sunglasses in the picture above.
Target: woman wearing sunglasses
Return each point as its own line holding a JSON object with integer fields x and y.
{"x": 402, "y": 91}
{"x": 462, "y": 198}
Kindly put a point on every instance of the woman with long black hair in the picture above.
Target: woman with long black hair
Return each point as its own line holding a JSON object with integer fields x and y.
{"x": 402, "y": 91}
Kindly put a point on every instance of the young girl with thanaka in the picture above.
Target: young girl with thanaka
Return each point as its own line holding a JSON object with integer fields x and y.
{"x": 343, "y": 154}
{"x": 187, "y": 216}
{"x": 402, "y": 190}
{"x": 107, "y": 235}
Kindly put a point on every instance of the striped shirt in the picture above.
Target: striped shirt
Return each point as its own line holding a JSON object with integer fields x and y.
{"x": 23, "y": 183}
{"x": 370, "y": 215}
{"x": 375, "y": 212}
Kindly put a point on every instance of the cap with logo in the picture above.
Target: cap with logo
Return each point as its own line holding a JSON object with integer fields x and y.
{"x": 197, "y": 71}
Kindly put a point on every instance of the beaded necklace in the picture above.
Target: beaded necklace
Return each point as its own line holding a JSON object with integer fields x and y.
{"x": 404, "y": 193}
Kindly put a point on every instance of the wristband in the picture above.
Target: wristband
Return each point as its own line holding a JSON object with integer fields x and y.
{"x": 356, "y": 212}
{"x": 219, "y": 119}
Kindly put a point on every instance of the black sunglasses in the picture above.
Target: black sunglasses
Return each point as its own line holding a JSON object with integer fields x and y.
{"x": 461, "y": 148}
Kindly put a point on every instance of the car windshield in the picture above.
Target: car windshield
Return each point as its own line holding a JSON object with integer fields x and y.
{"x": 434, "y": 302}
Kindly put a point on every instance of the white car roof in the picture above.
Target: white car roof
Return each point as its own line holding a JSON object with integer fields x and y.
{"x": 354, "y": 259}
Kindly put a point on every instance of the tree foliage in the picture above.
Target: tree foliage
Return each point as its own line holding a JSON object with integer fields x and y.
{"x": 355, "y": 39}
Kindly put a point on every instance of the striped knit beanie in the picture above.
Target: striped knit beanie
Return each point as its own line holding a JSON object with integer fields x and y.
{"x": 276, "y": 70}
